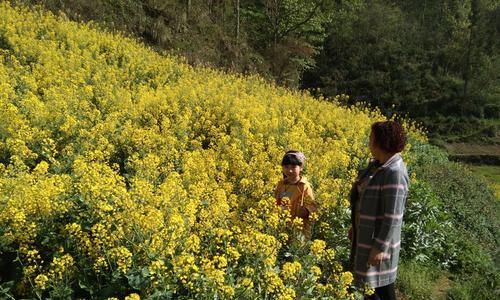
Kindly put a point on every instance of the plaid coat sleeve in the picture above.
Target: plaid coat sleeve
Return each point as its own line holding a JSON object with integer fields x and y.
{"x": 392, "y": 197}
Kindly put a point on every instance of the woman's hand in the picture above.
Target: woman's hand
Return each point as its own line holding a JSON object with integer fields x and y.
{"x": 375, "y": 257}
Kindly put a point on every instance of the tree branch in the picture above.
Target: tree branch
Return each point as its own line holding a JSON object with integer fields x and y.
{"x": 307, "y": 19}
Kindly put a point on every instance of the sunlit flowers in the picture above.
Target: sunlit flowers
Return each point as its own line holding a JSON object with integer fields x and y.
{"x": 128, "y": 171}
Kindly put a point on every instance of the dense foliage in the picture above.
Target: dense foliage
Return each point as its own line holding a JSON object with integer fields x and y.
{"x": 436, "y": 61}
{"x": 451, "y": 233}
{"x": 124, "y": 173}
{"x": 433, "y": 60}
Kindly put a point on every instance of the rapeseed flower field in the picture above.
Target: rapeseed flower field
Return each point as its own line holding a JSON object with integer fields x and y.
{"x": 127, "y": 174}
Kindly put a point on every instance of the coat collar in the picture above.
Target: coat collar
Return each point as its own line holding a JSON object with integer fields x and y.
{"x": 392, "y": 161}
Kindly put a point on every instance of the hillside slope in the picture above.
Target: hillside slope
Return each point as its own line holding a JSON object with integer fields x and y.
{"x": 124, "y": 171}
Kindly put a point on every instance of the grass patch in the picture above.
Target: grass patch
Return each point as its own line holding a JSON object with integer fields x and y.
{"x": 420, "y": 282}
{"x": 491, "y": 174}
{"x": 471, "y": 286}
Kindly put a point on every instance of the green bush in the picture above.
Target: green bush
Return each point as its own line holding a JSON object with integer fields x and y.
{"x": 426, "y": 228}
{"x": 333, "y": 227}
{"x": 469, "y": 200}
{"x": 476, "y": 273}
{"x": 423, "y": 154}
{"x": 452, "y": 223}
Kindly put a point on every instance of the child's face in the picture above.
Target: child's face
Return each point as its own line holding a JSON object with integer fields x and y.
{"x": 292, "y": 171}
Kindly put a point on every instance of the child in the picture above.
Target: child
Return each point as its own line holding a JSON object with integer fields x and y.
{"x": 297, "y": 189}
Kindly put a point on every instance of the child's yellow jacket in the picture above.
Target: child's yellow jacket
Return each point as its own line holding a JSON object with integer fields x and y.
{"x": 299, "y": 195}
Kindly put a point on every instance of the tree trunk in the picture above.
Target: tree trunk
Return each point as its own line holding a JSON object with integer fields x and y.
{"x": 470, "y": 44}
{"x": 188, "y": 9}
{"x": 275, "y": 24}
{"x": 237, "y": 14}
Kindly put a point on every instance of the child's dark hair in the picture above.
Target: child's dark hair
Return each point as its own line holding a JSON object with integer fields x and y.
{"x": 293, "y": 157}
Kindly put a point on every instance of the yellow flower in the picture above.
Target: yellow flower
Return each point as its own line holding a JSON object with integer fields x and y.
{"x": 228, "y": 291}
{"x": 330, "y": 255}
{"x": 61, "y": 267}
{"x": 369, "y": 291}
{"x": 318, "y": 248}
{"x": 160, "y": 165}
{"x": 157, "y": 267}
{"x": 315, "y": 270}
{"x": 193, "y": 243}
{"x": 133, "y": 296}
{"x": 122, "y": 257}
{"x": 233, "y": 253}
{"x": 288, "y": 293}
{"x": 41, "y": 281}
{"x": 346, "y": 278}
{"x": 41, "y": 168}
{"x": 100, "y": 264}
{"x": 246, "y": 282}
{"x": 273, "y": 282}
{"x": 290, "y": 270}
{"x": 220, "y": 261}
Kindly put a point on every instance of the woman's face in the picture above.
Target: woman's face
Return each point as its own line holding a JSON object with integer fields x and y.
{"x": 372, "y": 145}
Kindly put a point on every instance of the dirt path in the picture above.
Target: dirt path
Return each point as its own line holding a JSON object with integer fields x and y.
{"x": 473, "y": 149}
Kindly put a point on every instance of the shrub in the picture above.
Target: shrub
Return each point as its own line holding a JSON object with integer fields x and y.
{"x": 427, "y": 234}
{"x": 476, "y": 286}
{"x": 423, "y": 154}
{"x": 468, "y": 199}
{"x": 452, "y": 219}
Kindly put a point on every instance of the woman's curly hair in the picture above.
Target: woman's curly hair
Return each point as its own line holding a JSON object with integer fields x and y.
{"x": 389, "y": 136}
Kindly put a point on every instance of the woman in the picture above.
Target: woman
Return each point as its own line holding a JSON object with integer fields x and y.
{"x": 378, "y": 198}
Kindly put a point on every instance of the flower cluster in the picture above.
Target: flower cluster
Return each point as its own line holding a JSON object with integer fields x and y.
{"x": 125, "y": 173}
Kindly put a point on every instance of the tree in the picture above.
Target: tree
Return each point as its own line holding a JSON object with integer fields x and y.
{"x": 436, "y": 61}
{"x": 287, "y": 33}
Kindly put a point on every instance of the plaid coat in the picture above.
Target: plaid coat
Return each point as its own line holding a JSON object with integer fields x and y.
{"x": 377, "y": 215}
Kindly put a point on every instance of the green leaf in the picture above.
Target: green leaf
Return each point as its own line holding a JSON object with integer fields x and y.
{"x": 138, "y": 280}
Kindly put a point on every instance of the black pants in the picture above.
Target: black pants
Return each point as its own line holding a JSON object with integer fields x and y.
{"x": 386, "y": 292}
